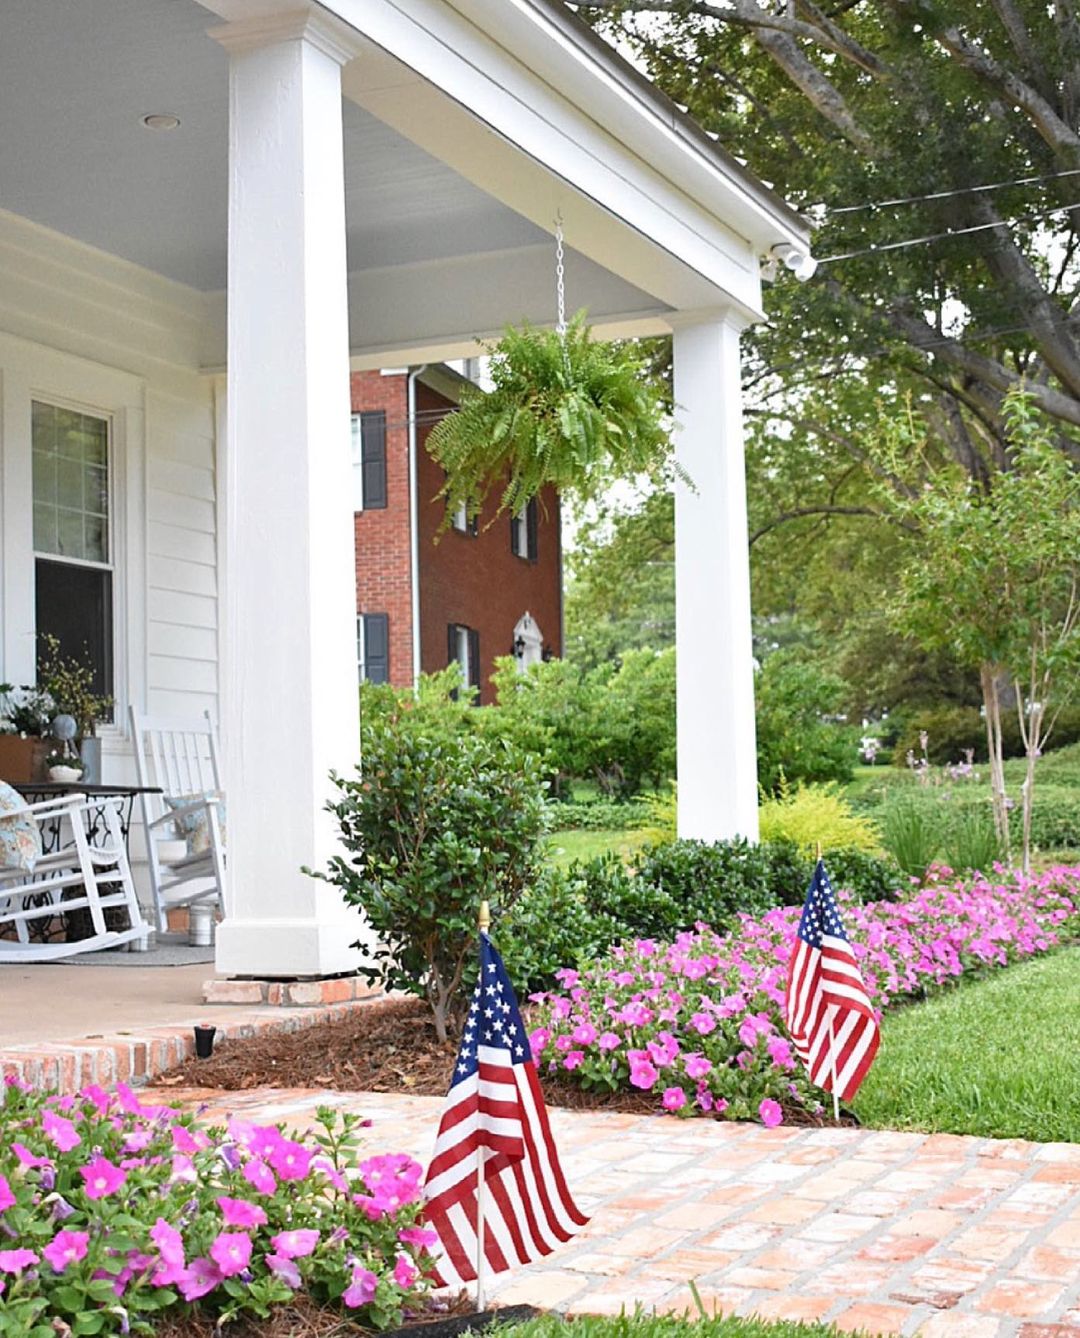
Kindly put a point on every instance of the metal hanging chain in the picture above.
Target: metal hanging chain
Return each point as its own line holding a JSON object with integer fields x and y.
{"x": 560, "y": 276}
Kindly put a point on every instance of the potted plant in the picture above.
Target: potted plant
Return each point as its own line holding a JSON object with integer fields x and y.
{"x": 25, "y": 713}
{"x": 69, "y": 683}
{"x": 564, "y": 410}
{"x": 66, "y": 767}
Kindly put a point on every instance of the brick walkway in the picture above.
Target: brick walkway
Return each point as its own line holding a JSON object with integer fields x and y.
{"x": 885, "y": 1232}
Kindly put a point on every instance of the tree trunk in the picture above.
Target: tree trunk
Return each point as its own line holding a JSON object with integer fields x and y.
{"x": 992, "y": 708}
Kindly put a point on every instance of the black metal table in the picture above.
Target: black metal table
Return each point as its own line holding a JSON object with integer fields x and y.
{"x": 35, "y": 792}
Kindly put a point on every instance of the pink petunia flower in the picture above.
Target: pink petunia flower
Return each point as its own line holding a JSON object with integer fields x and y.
{"x": 418, "y": 1236}
{"x": 361, "y": 1291}
{"x": 770, "y": 1113}
{"x": 643, "y": 1075}
{"x": 609, "y": 1041}
{"x": 102, "y": 1177}
{"x": 674, "y": 1098}
{"x": 60, "y": 1132}
{"x": 27, "y": 1158}
{"x": 574, "y": 1059}
{"x": 198, "y": 1279}
{"x": 66, "y": 1247}
{"x": 405, "y": 1271}
{"x": 285, "y": 1269}
{"x": 584, "y": 1033}
{"x": 7, "y": 1198}
{"x": 259, "y": 1176}
{"x": 290, "y": 1160}
{"x": 14, "y": 1261}
{"x": 231, "y": 1251}
{"x": 696, "y": 1065}
{"x": 295, "y": 1244}
{"x": 241, "y": 1212}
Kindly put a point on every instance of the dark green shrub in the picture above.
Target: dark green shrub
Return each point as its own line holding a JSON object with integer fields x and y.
{"x": 710, "y": 882}
{"x": 437, "y": 819}
{"x": 951, "y": 729}
{"x": 869, "y": 877}
{"x": 601, "y": 815}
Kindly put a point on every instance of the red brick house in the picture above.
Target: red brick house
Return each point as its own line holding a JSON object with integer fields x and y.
{"x": 472, "y": 593}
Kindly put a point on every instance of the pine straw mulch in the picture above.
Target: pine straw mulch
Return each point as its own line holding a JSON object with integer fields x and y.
{"x": 385, "y": 1046}
{"x": 388, "y": 1045}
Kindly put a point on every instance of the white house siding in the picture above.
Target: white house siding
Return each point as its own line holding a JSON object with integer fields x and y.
{"x": 93, "y": 331}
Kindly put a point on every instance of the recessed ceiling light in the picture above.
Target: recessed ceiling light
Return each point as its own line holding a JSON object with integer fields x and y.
{"x": 161, "y": 121}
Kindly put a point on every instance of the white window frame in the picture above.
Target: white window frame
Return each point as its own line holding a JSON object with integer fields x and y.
{"x": 30, "y": 372}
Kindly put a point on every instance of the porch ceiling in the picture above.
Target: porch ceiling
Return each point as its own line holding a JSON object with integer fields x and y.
{"x": 77, "y": 78}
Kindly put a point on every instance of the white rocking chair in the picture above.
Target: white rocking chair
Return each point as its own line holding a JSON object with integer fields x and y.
{"x": 180, "y": 759}
{"x": 79, "y": 874}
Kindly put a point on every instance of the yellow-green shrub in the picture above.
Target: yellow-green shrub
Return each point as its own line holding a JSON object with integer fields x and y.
{"x": 807, "y": 814}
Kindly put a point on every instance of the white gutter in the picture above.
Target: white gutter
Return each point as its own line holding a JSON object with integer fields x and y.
{"x": 414, "y": 519}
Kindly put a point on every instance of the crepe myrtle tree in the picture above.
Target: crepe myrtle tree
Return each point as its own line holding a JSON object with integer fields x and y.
{"x": 440, "y": 816}
{"x": 992, "y": 573}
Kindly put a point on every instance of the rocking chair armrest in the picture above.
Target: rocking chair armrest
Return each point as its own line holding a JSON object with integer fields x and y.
{"x": 186, "y": 811}
{"x": 58, "y": 804}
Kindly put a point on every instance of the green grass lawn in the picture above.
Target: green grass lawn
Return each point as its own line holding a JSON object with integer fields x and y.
{"x": 998, "y": 1057}
{"x": 577, "y": 844}
{"x": 643, "y": 1325}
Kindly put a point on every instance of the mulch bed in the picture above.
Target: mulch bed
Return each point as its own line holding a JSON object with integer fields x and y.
{"x": 386, "y": 1046}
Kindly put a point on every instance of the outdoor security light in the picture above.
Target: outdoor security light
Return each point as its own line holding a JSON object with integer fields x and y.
{"x": 801, "y": 263}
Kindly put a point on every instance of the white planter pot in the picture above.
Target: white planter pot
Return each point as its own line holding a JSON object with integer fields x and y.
{"x": 65, "y": 775}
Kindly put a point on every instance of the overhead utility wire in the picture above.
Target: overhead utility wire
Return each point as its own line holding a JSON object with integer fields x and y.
{"x": 947, "y": 194}
{"x": 949, "y": 232}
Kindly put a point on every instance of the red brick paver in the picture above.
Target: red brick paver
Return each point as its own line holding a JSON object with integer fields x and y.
{"x": 879, "y": 1232}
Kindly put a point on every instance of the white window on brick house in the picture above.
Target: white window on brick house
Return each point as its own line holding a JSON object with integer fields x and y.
{"x": 523, "y": 532}
{"x": 373, "y": 647}
{"x": 369, "y": 460}
{"x": 73, "y": 558}
{"x": 463, "y": 648}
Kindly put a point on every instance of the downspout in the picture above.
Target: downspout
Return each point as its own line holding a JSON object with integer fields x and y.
{"x": 414, "y": 518}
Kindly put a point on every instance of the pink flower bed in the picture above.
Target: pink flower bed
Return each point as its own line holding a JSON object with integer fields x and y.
{"x": 699, "y": 1022}
{"x": 112, "y": 1212}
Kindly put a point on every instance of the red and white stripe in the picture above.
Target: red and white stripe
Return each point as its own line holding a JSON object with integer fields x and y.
{"x": 498, "y": 1113}
{"x": 830, "y": 1018}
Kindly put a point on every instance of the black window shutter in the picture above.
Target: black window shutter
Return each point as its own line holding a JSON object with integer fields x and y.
{"x": 377, "y": 647}
{"x": 532, "y": 521}
{"x": 515, "y": 535}
{"x": 451, "y": 643}
{"x": 373, "y": 458}
{"x": 474, "y": 657}
{"x": 474, "y": 525}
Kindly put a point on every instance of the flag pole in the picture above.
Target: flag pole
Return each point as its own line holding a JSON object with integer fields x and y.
{"x": 484, "y": 921}
{"x": 832, "y": 1041}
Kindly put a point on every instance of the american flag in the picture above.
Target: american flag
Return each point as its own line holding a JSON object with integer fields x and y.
{"x": 495, "y": 1110}
{"x": 829, "y": 1014}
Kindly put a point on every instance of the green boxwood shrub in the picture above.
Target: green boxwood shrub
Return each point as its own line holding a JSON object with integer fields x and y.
{"x": 574, "y": 914}
{"x": 601, "y": 815}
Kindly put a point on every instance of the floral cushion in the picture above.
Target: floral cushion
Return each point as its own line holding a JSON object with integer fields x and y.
{"x": 194, "y": 828}
{"x": 20, "y": 836}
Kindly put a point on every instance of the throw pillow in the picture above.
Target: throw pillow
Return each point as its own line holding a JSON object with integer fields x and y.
{"x": 20, "y": 836}
{"x": 194, "y": 828}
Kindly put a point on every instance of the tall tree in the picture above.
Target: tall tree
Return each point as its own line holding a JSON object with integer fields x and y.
{"x": 891, "y": 122}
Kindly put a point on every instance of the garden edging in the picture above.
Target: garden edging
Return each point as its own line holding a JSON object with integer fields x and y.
{"x": 142, "y": 1054}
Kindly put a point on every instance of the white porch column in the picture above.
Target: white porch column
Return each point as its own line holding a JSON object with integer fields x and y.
{"x": 717, "y": 755}
{"x": 291, "y": 709}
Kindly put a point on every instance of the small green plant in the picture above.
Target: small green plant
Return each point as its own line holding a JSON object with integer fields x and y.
{"x": 69, "y": 682}
{"x": 912, "y": 833}
{"x": 807, "y": 814}
{"x": 970, "y": 842}
{"x": 564, "y": 409}
{"x": 437, "y": 819}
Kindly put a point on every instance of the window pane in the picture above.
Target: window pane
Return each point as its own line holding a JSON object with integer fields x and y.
{"x": 70, "y": 472}
{"x": 74, "y": 604}
{"x": 44, "y": 528}
{"x": 69, "y": 538}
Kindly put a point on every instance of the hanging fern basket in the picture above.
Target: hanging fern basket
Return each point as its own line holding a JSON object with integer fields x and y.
{"x": 564, "y": 410}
